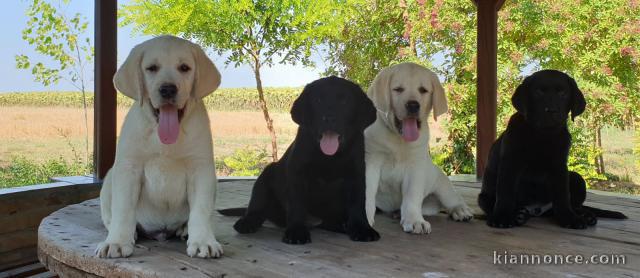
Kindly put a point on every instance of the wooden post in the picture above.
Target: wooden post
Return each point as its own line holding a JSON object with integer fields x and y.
{"x": 104, "y": 135}
{"x": 487, "y": 83}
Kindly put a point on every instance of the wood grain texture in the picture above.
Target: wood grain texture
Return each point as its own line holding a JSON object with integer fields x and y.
{"x": 68, "y": 237}
{"x": 22, "y": 209}
{"x": 487, "y": 79}
{"x": 105, "y": 106}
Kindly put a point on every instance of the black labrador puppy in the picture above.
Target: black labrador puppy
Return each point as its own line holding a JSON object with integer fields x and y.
{"x": 527, "y": 169}
{"x": 322, "y": 173}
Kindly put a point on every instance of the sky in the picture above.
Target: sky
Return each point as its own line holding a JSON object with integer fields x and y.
{"x": 13, "y": 20}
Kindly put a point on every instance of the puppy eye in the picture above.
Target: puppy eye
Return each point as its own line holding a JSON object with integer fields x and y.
{"x": 184, "y": 68}
{"x": 152, "y": 68}
{"x": 422, "y": 90}
{"x": 398, "y": 89}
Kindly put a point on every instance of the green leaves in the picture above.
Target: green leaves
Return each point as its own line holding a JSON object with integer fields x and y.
{"x": 270, "y": 31}
{"x": 56, "y": 37}
{"x": 597, "y": 42}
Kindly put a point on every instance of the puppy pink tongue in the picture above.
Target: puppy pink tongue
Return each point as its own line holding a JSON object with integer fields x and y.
{"x": 168, "y": 124}
{"x": 410, "y": 131}
{"x": 329, "y": 143}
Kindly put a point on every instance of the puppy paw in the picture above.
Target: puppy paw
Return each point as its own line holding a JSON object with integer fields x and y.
{"x": 362, "y": 232}
{"x": 588, "y": 216}
{"x": 114, "y": 249}
{"x": 206, "y": 247}
{"x": 461, "y": 213}
{"x": 182, "y": 232}
{"x": 296, "y": 235}
{"x": 503, "y": 220}
{"x": 419, "y": 226}
{"x": 522, "y": 216}
{"x": 247, "y": 225}
{"x": 572, "y": 222}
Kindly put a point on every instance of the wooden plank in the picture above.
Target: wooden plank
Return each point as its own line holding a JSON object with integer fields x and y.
{"x": 21, "y": 211}
{"x": 25, "y": 219}
{"x": 106, "y": 37}
{"x": 13, "y": 202}
{"x": 18, "y": 239}
{"x": 17, "y": 257}
{"x": 487, "y": 80}
{"x": 24, "y": 271}
{"x": 47, "y": 274}
{"x": 452, "y": 249}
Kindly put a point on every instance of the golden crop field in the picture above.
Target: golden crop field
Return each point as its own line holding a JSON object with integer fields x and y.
{"x": 40, "y": 133}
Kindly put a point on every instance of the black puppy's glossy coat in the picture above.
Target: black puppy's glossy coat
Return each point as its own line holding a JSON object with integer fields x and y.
{"x": 307, "y": 182}
{"x": 528, "y": 162}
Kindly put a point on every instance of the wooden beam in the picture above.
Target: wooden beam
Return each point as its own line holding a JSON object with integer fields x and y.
{"x": 106, "y": 35}
{"x": 23, "y": 208}
{"x": 487, "y": 82}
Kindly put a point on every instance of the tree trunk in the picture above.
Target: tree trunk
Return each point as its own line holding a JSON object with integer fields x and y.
{"x": 600, "y": 158}
{"x": 265, "y": 111}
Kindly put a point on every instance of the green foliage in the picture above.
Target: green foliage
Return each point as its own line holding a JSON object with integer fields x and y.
{"x": 236, "y": 99}
{"x": 246, "y": 162}
{"x": 597, "y": 42}
{"x": 636, "y": 151}
{"x": 59, "y": 38}
{"x": 21, "y": 171}
{"x": 368, "y": 42}
{"x": 255, "y": 33}
{"x": 282, "y": 31}
{"x": 582, "y": 157}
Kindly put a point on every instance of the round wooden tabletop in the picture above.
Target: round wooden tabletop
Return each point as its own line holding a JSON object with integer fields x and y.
{"x": 67, "y": 240}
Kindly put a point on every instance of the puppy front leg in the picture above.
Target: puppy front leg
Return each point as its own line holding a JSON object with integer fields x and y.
{"x": 201, "y": 196}
{"x": 450, "y": 199}
{"x": 505, "y": 209}
{"x": 358, "y": 227}
{"x": 125, "y": 191}
{"x": 296, "y": 231}
{"x": 561, "y": 201}
{"x": 373, "y": 168}
{"x": 411, "y": 217}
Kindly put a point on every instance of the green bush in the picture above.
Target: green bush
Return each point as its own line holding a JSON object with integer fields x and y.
{"x": 636, "y": 151}
{"x": 22, "y": 171}
{"x": 244, "y": 99}
{"x": 583, "y": 154}
{"x": 246, "y": 162}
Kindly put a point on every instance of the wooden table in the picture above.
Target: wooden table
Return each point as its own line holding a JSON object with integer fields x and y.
{"x": 67, "y": 240}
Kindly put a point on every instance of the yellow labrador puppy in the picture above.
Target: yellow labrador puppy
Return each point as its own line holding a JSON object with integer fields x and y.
{"x": 163, "y": 182}
{"x": 399, "y": 172}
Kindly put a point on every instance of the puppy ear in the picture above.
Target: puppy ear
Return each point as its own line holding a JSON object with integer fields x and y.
{"x": 519, "y": 98}
{"x": 299, "y": 107}
{"x": 379, "y": 89}
{"x": 438, "y": 98}
{"x": 128, "y": 79}
{"x": 207, "y": 77}
{"x": 578, "y": 103}
{"x": 366, "y": 110}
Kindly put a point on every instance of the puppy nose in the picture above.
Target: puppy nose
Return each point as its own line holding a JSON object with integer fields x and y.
{"x": 412, "y": 106}
{"x": 168, "y": 91}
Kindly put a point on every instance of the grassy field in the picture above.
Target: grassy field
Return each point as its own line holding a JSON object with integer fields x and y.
{"x": 39, "y": 133}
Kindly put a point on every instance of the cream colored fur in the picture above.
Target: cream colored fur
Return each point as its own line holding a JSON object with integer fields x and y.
{"x": 400, "y": 175}
{"x": 158, "y": 186}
